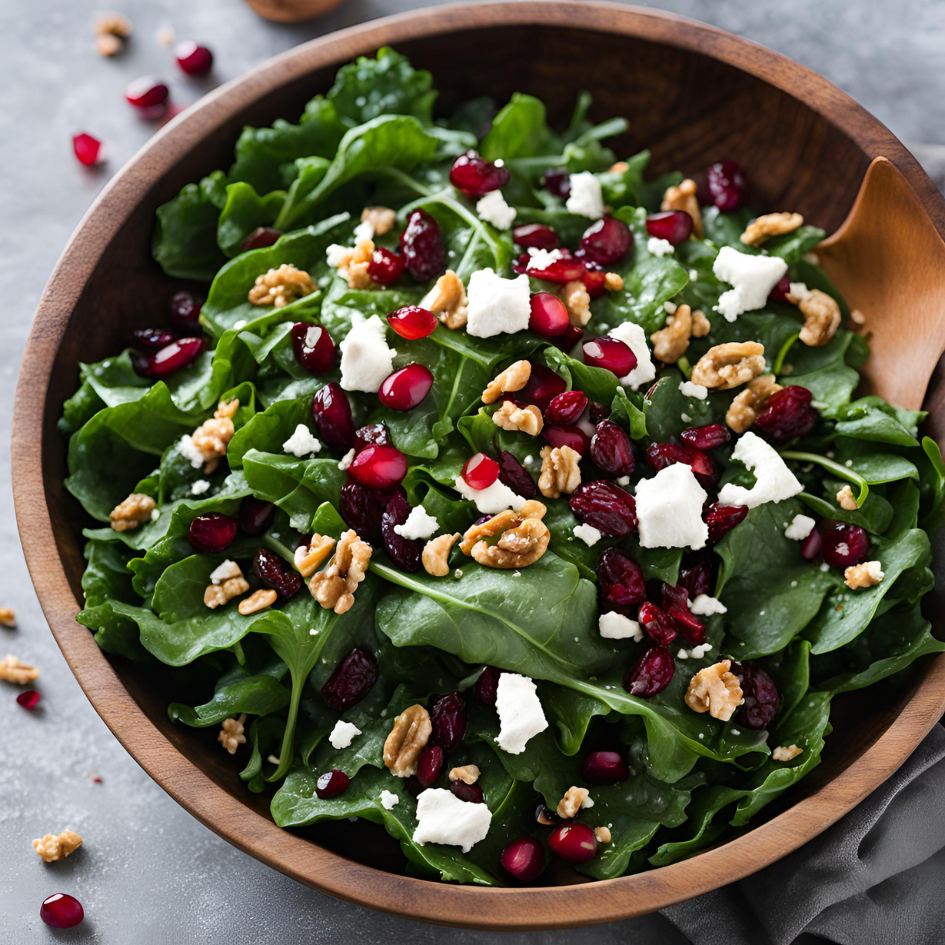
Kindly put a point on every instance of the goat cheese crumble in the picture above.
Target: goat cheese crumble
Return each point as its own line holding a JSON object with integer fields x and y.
{"x": 496, "y": 305}
{"x": 587, "y": 198}
{"x": 801, "y": 526}
{"x": 389, "y": 800}
{"x": 302, "y": 442}
{"x": 774, "y": 482}
{"x": 669, "y": 509}
{"x": 366, "y": 358}
{"x": 343, "y": 734}
{"x": 752, "y": 278}
{"x": 614, "y": 626}
{"x": 493, "y": 209}
{"x": 706, "y": 606}
{"x": 657, "y": 247}
{"x": 688, "y": 389}
{"x": 419, "y": 524}
{"x": 496, "y": 498}
{"x": 634, "y": 337}
{"x": 443, "y": 818}
{"x": 588, "y": 534}
{"x": 521, "y": 716}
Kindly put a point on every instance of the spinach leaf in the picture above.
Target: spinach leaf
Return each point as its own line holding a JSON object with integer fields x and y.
{"x": 243, "y": 212}
{"x": 253, "y": 695}
{"x": 520, "y": 131}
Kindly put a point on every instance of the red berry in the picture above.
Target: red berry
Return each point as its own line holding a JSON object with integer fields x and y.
{"x": 28, "y": 699}
{"x": 448, "y": 717}
{"x": 406, "y": 388}
{"x": 260, "y": 238}
{"x": 565, "y": 269}
{"x": 651, "y": 673}
{"x": 676, "y": 604}
{"x": 812, "y": 545}
{"x": 845, "y": 545}
{"x": 480, "y": 471}
{"x": 566, "y": 409}
{"x": 523, "y": 859}
{"x": 611, "y": 354}
{"x": 620, "y": 580}
{"x": 256, "y": 515}
{"x": 780, "y": 292}
{"x": 154, "y": 338}
{"x": 174, "y": 357}
{"x": 595, "y": 281}
{"x": 674, "y": 226}
{"x": 429, "y": 765}
{"x": 606, "y": 241}
{"x": 475, "y": 176}
{"x": 543, "y": 385}
{"x": 514, "y": 475}
{"x": 557, "y": 181}
{"x": 273, "y": 572}
{"x": 661, "y": 455}
{"x": 386, "y": 267}
{"x": 313, "y": 348}
{"x": 470, "y": 793}
{"x": 372, "y": 434}
{"x": 572, "y": 436}
{"x": 726, "y": 185}
{"x": 379, "y": 467}
{"x": 762, "y": 698}
{"x": 721, "y": 519}
{"x": 212, "y": 532}
{"x": 699, "y": 578}
{"x": 61, "y": 911}
{"x": 549, "y": 316}
{"x": 332, "y": 412}
{"x": 573, "y": 842}
{"x": 605, "y": 767}
{"x": 611, "y": 449}
{"x": 659, "y": 626}
{"x": 487, "y": 685}
{"x": 569, "y": 339}
{"x": 706, "y": 438}
{"x": 787, "y": 415}
{"x": 536, "y": 236}
{"x": 88, "y": 150}
{"x": 184, "y": 312}
{"x": 331, "y": 784}
{"x": 607, "y": 507}
{"x": 193, "y": 58}
{"x": 362, "y": 509}
{"x": 422, "y": 246}
{"x": 412, "y": 322}
{"x": 149, "y": 95}
{"x": 352, "y": 680}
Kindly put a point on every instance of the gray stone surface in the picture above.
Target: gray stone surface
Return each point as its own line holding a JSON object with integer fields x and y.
{"x": 149, "y": 874}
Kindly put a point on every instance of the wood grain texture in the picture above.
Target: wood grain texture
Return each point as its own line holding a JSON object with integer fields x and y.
{"x": 292, "y": 11}
{"x": 694, "y": 94}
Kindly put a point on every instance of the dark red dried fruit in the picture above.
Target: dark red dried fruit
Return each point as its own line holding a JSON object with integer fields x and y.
{"x": 549, "y": 316}
{"x": 354, "y": 677}
{"x": 661, "y": 455}
{"x": 611, "y": 354}
{"x": 606, "y": 507}
{"x": 660, "y": 627}
{"x": 193, "y": 58}
{"x": 845, "y": 545}
{"x": 256, "y": 515}
{"x": 332, "y": 412}
{"x": 184, "y": 311}
{"x": 448, "y": 717}
{"x": 514, "y": 475}
{"x": 406, "y": 388}
{"x": 651, "y": 673}
{"x": 787, "y": 416}
{"x": 487, "y": 685}
{"x": 260, "y": 238}
{"x": 362, "y": 508}
{"x": 371, "y": 434}
{"x": 674, "y": 226}
{"x": 726, "y": 185}
{"x": 313, "y": 347}
{"x": 536, "y": 236}
{"x": 275, "y": 573}
{"x": 412, "y": 322}
{"x": 606, "y": 241}
{"x": 523, "y": 859}
{"x": 422, "y": 246}
{"x": 543, "y": 385}
{"x": 620, "y": 581}
{"x": 574, "y": 437}
{"x": 470, "y": 793}
{"x": 762, "y": 699}
{"x": 611, "y": 449}
{"x": 599, "y": 412}
{"x": 812, "y": 545}
{"x": 566, "y": 408}
{"x": 573, "y": 842}
{"x": 429, "y": 765}
{"x": 386, "y": 266}
{"x": 212, "y": 532}
{"x": 780, "y": 292}
{"x": 706, "y": 438}
{"x": 379, "y": 467}
{"x": 403, "y": 552}
{"x": 698, "y": 578}
{"x": 154, "y": 338}
{"x": 175, "y": 357}
{"x": 676, "y": 604}
{"x": 605, "y": 767}
{"x": 721, "y": 519}
{"x": 557, "y": 181}
{"x": 61, "y": 911}
{"x": 475, "y": 176}
{"x": 331, "y": 784}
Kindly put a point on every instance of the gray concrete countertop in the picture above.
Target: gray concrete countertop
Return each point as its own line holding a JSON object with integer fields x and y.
{"x": 148, "y": 873}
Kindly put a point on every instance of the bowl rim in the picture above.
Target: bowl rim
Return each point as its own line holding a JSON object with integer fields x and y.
{"x": 230, "y": 818}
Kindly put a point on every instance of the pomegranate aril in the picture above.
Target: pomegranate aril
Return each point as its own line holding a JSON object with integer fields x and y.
{"x": 386, "y": 266}
{"x": 611, "y": 449}
{"x": 475, "y": 176}
{"x": 845, "y": 545}
{"x": 569, "y": 339}
{"x": 331, "y": 784}
{"x": 595, "y": 281}
{"x": 193, "y": 58}
{"x": 780, "y": 292}
{"x": 362, "y": 508}
{"x": 606, "y": 241}
{"x": 651, "y": 673}
{"x": 599, "y": 412}
{"x": 403, "y": 552}
{"x": 256, "y": 515}
{"x": 520, "y": 263}
{"x": 332, "y": 412}
{"x": 480, "y": 471}
{"x": 557, "y": 181}
{"x": 154, "y": 338}
{"x": 660, "y": 627}
{"x": 448, "y": 717}
{"x": 566, "y": 408}
{"x": 603, "y": 767}
{"x": 61, "y": 911}
{"x": 429, "y": 765}
{"x": 566, "y": 269}
{"x": 406, "y": 388}
{"x": 536, "y": 236}
{"x": 176, "y": 356}
{"x": 212, "y": 533}
{"x": 371, "y": 434}
{"x": 140, "y": 362}
{"x": 606, "y": 507}
{"x": 698, "y": 579}
{"x": 572, "y": 436}
{"x": 471, "y": 793}
{"x": 575, "y": 843}
{"x": 721, "y": 519}
{"x": 674, "y": 226}
{"x": 412, "y": 322}
{"x": 762, "y": 698}
{"x": 184, "y": 311}
{"x": 706, "y": 438}
{"x": 611, "y": 354}
{"x": 487, "y": 685}
{"x": 620, "y": 580}
{"x": 379, "y": 467}
{"x": 542, "y": 387}
{"x": 149, "y": 95}
{"x": 812, "y": 545}
{"x": 523, "y": 859}
{"x": 352, "y": 680}
{"x": 726, "y": 185}
{"x": 549, "y": 316}
{"x": 88, "y": 150}
{"x": 313, "y": 347}
{"x": 275, "y": 573}
{"x": 260, "y": 238}
{"x": 28, "y": 699}
{"x": 514, "y": 475}
{"x": 422, "y": 246}
{"x": 787, "y": 415}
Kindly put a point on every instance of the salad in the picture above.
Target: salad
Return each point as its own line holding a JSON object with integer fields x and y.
{"x": 493, "y": 491}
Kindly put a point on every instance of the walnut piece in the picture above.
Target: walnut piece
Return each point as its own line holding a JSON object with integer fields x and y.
{"x": 571, "y": 803}
{"x": 620, "y": 167}
{"x": 613, "y": 281}
{"x": 670, "y": 343}
{"x": 309, "y": 557}
{"x": 213, "y": 436}
{"x": 577, "y": 301}
{"x": 560, "y": 471}
{"x": 715, "y": 690}
{"x": 513, "y": 378}
{"x": 602, "y": 834}
{"x": 468, "y": 774}
{"x": 111, "y": 31}
{"x": 700, "y": 324}
{"x": 750, "y": 402}
{"x": 334, "y": 587}
{"x": 726, "y": 366}
{"x": 447, "y": 300}
{"x": 382, "y": 219}
{"x": 857, "y": 317}
{"x": 108, "y": 45}
{"x": 684, "y": 198}
{"x": 130, "y": 513}
{"x": 231, "y": 734}
{"x": 786, "y": 754}
{"x": 353, "y": 263}
{"x": 821, "y": 318}
{"x": 525, "y": 419}
{"x": 409, "y": 736}
{"x": 52, "y": 848}
{"x": 258, "y": 600}
{"x": 770, "y": 224}
{"x": 7, "y": 617}
{"x": 279, "y": 287}
{"x": 226, "y": 582}
{"x": 523, "y": 538}
{"x": 846, "y": 500}
{"x": 867, "y": 574}
{"x": 436, "y": 554}
{"x": 12, "y": 670}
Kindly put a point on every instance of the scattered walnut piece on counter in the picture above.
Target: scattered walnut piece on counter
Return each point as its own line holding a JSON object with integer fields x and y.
{"x": 231, "y": 734}
{"x": 701, "y": 326}
{"x": 786, "y": 754}
{"x": 334, "y": 587}
{"x": 572, "y": 801}
{"x": 7, "y": 617}
{"x": 111, "y": 31}
{"x": 770, "y": 224}
{"x": 513, "y": 378}
{"x": 512, "y": 417}
{"x": 409, "y": 736}
{"x": 867, "y": 574}
{"x": 52, "y": 848}
{"x": 12, "y": 670}
{"x": 132, "y": 512}
{"x": 468, "y": 774}
{"x": 447, "y": 300}
{"x": 725, "y": 366}
{"x": 846, "y": 499}
{"x": 309, "y": 557}
{"x": 560, "y": 471}
{"x": 821, "y": 318}
{"x": 715, "y": 690}
{"x": 603, "y": 834}
{"x": 258, "y": 600}
{"x": 670, "y": 343}
{"x": 382, "y": 219}
{"x": 578, "y": 302}
{"x": 523, "y": 538}
{"x": 684, "y": 198}
{"x": 279, "y": 287}
{"x": 436, "y": 554}
{"x": 857, "y": 317}
{"x": 750, "y": 402}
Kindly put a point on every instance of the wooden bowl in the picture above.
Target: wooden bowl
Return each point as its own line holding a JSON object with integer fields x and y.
{"x": 694, "y": 94}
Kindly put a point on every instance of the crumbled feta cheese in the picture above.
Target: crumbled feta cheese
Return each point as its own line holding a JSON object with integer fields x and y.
{"x": 587, "y": 198}
{"x": 496, "y": 498}
{"x": 443, "y": 818}
{"x": 302, "y": 443}
{"x": 774, "y": 481}
{"x": 419, "y": 524}
{"x": 688, "y": 389}
{"x": 496, "y": 305}
{"x": 493, "y": 209}
{"x": 458, "y": 573}
{"x": 364, "y": 231}
{"x": 752, "y": 278}
{"x": 634, "y": 337}
{"x": 336, "y": 255}
{"x": 669, "y": 509}
{"x": 706, "y": 606}
{"x": 530, "y": 460}
{"x": 693, "y": 275}
{"x": 224, "y": 571}
{"x": 389, "y": 800}
{"x": 541, "y": 258}
{"x": 520, "y": 713}
{"x": 801, "y": 526}
{"x": 588, "y": 801}
{"x": 798, "y": 290}
{"x": 670, "y": 308}
{"x": 200, "y": 487}
{"x": 624, "y": 481}
{"x": 346, "y": 460}
{"x": 155, "y": 514}
{"x": 588, "y": 534}
{"x": 343, "y": 734}
{"x": 875, "y": 571}
{"x": 366, "y": 358}
{"x": 190, "y": 452}
{"x": 657, "y": 247}
{"x": 614, "y": 626}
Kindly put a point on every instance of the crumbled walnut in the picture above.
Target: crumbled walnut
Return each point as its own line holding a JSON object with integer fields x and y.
{"x": 447, "y": 300}
{"x": 786, "y": 754}
{"x": 613, "y": 281}
{"x": 231, "y": 734}
{"x": 684, "y": 198}
{"x": 279, "y": 287}
{"x": 560, "y": 471}
{"x": 409, "y": 736}
{"x": 621, "y": 167}
{"x": 603, "y": 834}
{"x": 715, "y": 690}
{"x": 726, "y": 366}
{"x": 867, "y": 574}
{"x": 513, "y": 378}
{"x": 770, "y": 224}
{"x": 212, "y": 437}
{"x": 111, "y": 30}
{"x": 857, "y": 317}
{"x": 226, "y": 582}
{"x": 334, "y": 587}
{"x": 12, "y": 670}
{"x": 353, "y": 264}
{"x": 821, "y": 318}
{"x": 108, "y": 45}
{"x": 52, "y": 848}
{"x": 436, "y": 554}
{"x": 750, "y": 402}
{"x": 700, "y": 324}
{"x": 7, "y": 617}
{"x": 571, "y": 803}
{"x": 257, "y": 601}
{"x": 468, "y": 774}
{"x": 577, "y": 302}
{"x": 846, "y": 500}
{"x": 382, "y": 219}
{"x": 670, "y": 343}
{"x": 523, "y": 538}
{"x": 512, "y": 417}
{"x": 309, "y": 557}
{"x": 137, "y": 508}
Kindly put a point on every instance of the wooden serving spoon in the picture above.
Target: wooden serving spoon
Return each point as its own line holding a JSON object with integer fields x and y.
{"x": 292, "y": 11}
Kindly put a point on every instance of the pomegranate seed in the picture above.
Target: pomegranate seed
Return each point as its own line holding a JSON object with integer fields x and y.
{"x": 406, "y": 388}
{"x": 520, "y": 263}
{"x": 536, "y": 236}
{"x": 379, "y": 467}
{"x": 674, "y": 226}
{"x": 606, "y": 241}
{"x": 595, "y": 281}
{"x": 429, "y": 765}
{"x": 28, "y": 699}
{"x": 386, "y": 266}
{"x": 260, "y": 238}
{"x": 470, "y": 793}
{"x": 148, "y": 95}
{"x": 726, "y": 185}
{"x": 599, "y": 412}
{"x": 659, "y": 626}
{"x": 372, "y": 434}
{"x": 193, "y": 58}
{"x": 332, "y": 412}
{"x": 549, "y": 317}
{"x": 174, "y": 357}
{"x": 661, "y": 455}
{"x": 362, "y": 509}
{"x": 575, "y": 843}
{"x": 572, "y": 436}
{"x": 404, "y": 552}
{"x": 61, "y": 911}
{"x": 480, "y": 471}
{"x": 487, "y": 685}
{"x": 352, "y": 680}
{"x": 569, "y": 339}
{"x": 256, "y": 515}
{"x": 88, "y": 150}
{"x": 275, "y": 573}
{"x": 212, "y": 532}
{"x": 557, "y": 181}
{"x": 676, "y": 604}
{"x": 651, "y": 673}
{"x": 566, "y": 269}
{"x": 543, "y": 385}
{"x": 607, "y": 507}
{"x": 475, "y": 176}
{"x": 331, "y": 784}
{"x": 566, "y": 408}
{"x": 787, "y": 416}
{"x": 611, "y": 449}
{"x": 605, "y": 766}
{"x": 514, "y": 475}
{"x": 780, "y": 292}
{"x": 762, "y": 699}
{"x": 610, "y": 354}
{"x": 706, "y": 438}
{"x": 412, "y": 322}
{"x": 845, "y": 545}
{"x": 422, "y": 246}
{"x": 313, "y": 347}
{"x": 523, "y": 859}
{"x": 448, "y": 716}
{"x": 721, "y": 519}
{"x": 698, "y": 579}
{"x": 620, "y": 580}
{"x": 184, "y": 311}
{"x": 812, "y": 545}
{"x": 154, "y": 338}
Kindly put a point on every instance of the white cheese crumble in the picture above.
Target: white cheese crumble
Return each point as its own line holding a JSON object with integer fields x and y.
{"x": 496, "y": 305}
{"x": 752, "y": 278}
{"x": 224, "y": 571}
{"x": 588, "y": 801}
{"x": 389, "y": 800}
{"x": 364, "y": 231}
{"x": 706, "y": 606}
{"x": 588, "y": 534}
{"x": 614, "y": 626}
{"x": 657, "y": 247}
{"x": 302, "y": 443}
{"x": 801, "y": 526}
{"x": 634, "y": 337}
{"x": 669, "y": 509}
{"x": 190, "y": 452}
{"x": 688, "y": 389}
{"x": 200, "y": 487}
{"x": 670, "y": 308}
{"x": 540, "y": 259}
{"x": 335, "y": 255}
{"x": 346, "y": 460}
{"x": 366, "y": 358}
{"x": 155, "y": 514}
{"x": 875, "y": 571}
{"x": 443, "y": 818}
{"x": 521, "y": 716}
{"x": 587, "y": 198}
{"x": 493, "y": 209}
{"x": 343, "y": 734}
{"x": 696, "y": 653}
{"x": 496, "y": 498}
{"x": 798, "y": 290}
{"x": 419, "y": 524}
{"x": 774, "y": 481}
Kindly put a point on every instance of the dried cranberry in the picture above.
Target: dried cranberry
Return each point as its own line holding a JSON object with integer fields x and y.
{"x": 362, "y": 508}
{"x": 212, "y": 532}
{"x": 193, "y": 58}
{"x": 611, "y": 449}
{"x": 651, "y": 673}
{"x": 536, "y": 236}
{"x": 549, "y": 316}
{"x": 610, "y": 353}
{"x": 352, "y": 680}
{"x": 602, "y": 767}
{"x": 697, "y": 579}
{"x": 275, "y": 573}
{"x": 140, "y": 362}
{"x": 573, "y": 842}
{"x": 762, "y": 699}
{"x": 61, "y": 911}
{"x": 523, "y": 859}
{"x": 386, "y": 266}
{"x": 88, "y": 150}
{"x": 780, "y": 292}
{"x": 606, "y": 241}
{"x": 661, "y": 455}
{"x": 543, "y": 385}
{"x": 557, "y": 181}
{"x": 470, "y": 793}
{"x": 787, "y": 415}
{"x": 331, "y": 784}
{"x": 660, "y": 627}
{"x": 706, "y": 438}
{"x": 429, "y": 765}
{"x": 28, "y": 699}
{"x": 595, "y": 281}
{"x": 599, "y": 412}
{"x": 256, "y": 515}
{"x": 566, "y": 408}
{"x": 721, "y": 519}
{"x": 332, "y": 412}
{"x": 184, "y": 311}
{"x": 313, "y": 347}
{"x": 676, "y": 604}
{"x": 371, "y": 434}
{"x": 726, "y": 185}
{"x": 620, "y": 580}
{"x": 176, "y": 356}
{"x": 406, "y": 388}
{"x": 812, "y": 545}
{"x": 574, "y": 437}
{"x": 475, "y": 176}
{"x": 514, "y": 475}
{"x": 260, "y": 238}
{"x": 404, "y": 552}
{"x": 379, "y": 467}
{"x": 480, "y": 471}
{"x": 448, "y": 717}
{"x": 422, "y": 246}
{"x": 154, "y": 338}
{"x": 674, "y": 226}
{"x": 148, "y": 95}
{"x": 606, "y": 507}
{"x": 487, "y": 685}
{"x": 845, "y": 545}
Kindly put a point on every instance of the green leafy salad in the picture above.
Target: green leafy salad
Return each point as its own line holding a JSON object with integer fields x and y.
{"x": 495, "y": 492}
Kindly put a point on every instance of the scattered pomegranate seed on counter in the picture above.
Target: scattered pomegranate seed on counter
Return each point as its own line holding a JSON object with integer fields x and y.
{"x": 193, "y": 58}
{"x": 28, "y": 699}
{"x": 149, "y": 96}
{"x": 61, "y": 911}
{"x": 88, "y": 150}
